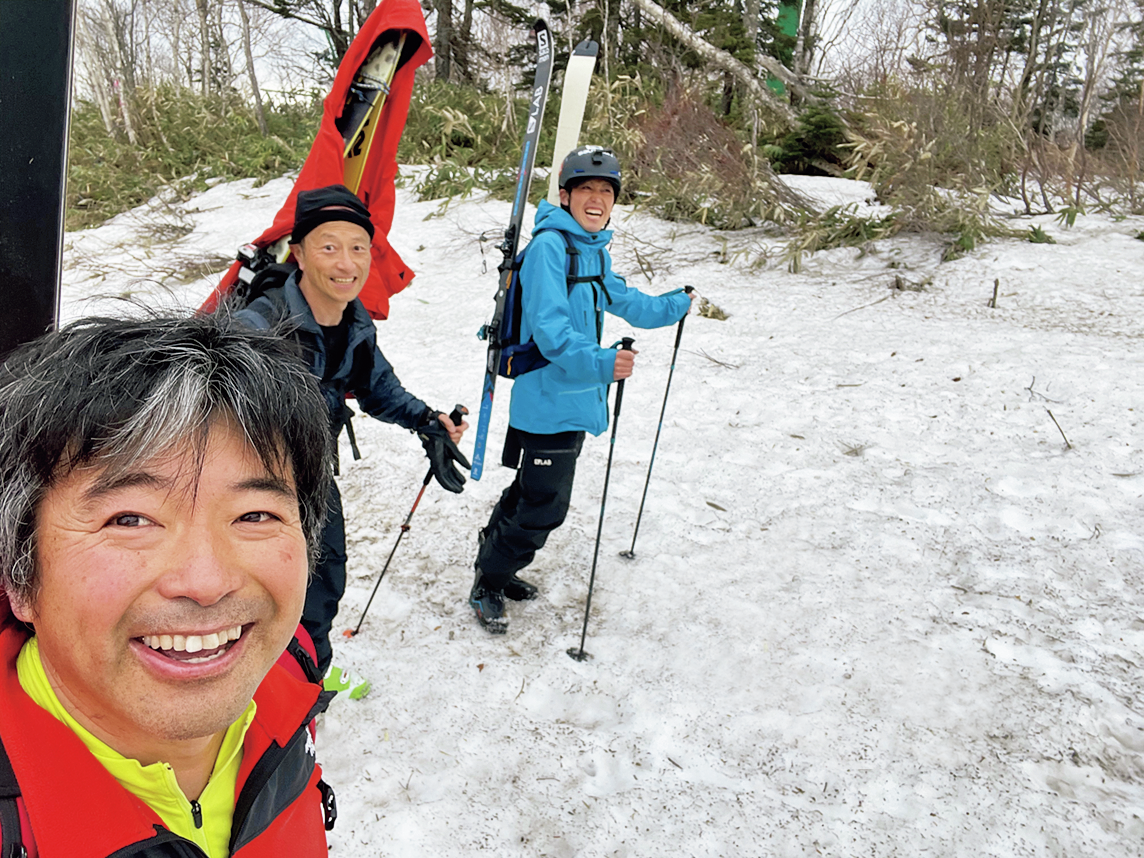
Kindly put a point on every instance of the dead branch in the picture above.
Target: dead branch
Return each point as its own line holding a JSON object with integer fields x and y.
{"x": 723, "y": 60}
{"x": 1059, "y": 429}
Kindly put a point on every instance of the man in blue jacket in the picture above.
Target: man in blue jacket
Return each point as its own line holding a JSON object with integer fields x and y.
{"x": 552, "y": 407}
{"x": 319, "y": 306}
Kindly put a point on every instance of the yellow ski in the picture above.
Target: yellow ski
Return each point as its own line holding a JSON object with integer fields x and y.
{"x": 371, "y": 86}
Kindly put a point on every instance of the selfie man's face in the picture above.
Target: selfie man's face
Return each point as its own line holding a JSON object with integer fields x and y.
{"x": 164, "y": 599}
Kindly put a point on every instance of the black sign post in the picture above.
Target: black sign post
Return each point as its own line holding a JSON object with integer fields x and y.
{"x": 35, "y": 96}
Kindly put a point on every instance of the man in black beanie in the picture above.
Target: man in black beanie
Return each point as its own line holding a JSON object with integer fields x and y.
{"x": 319, "y": 304}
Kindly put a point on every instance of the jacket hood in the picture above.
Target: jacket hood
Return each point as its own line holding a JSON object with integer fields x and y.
{"x": 549, "y": 216}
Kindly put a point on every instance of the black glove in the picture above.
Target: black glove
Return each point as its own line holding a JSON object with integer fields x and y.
{"x": 442, "y": 453}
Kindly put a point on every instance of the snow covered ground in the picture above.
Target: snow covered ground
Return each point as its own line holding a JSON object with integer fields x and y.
{"x": 879, "y": 607}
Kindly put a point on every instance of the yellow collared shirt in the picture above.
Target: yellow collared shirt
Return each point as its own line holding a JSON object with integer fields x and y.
{"x": 155, "y": 784}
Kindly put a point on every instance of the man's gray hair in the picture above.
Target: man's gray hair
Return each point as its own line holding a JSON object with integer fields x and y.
{"x": 112, "y": 393}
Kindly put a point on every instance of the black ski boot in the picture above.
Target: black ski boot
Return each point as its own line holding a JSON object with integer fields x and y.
{"x": 520, "y": 590}
{"x": 489, "y": 607}
{"x": 517, "y": 589}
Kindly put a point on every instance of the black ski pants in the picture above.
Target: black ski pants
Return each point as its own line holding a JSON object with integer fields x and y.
{"x": 533, "y": 506}
{"x": 328, "y": 583}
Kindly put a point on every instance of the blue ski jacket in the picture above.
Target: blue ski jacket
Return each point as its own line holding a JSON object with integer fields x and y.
{"x": 570, "y": 394}
{"x": 364, "y": 371}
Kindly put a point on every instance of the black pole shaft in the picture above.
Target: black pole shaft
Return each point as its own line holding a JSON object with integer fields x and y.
{"x": 35, "y": 98}
{"x": 580, "y": 656}
{"x": 457, "y": 415}
{"x": 631, "y": 552}
{"x": 392, "y": 551}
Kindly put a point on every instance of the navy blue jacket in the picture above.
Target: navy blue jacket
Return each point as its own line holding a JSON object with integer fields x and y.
{"x": 364, "y": 371}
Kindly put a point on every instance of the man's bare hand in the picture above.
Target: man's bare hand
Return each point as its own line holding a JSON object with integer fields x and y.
{"x": 625, "y": 363}
{"x": 455, "y": 431}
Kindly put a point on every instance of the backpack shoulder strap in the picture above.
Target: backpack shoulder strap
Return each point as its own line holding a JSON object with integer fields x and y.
{"x": 11, "y": 839}
{"x": 305, "y": 662}
{"x": 573, "y": 259}
{"x": 573, "y": 254}
{"x": 269, "y": 282}
{"x": 574, "y": 277}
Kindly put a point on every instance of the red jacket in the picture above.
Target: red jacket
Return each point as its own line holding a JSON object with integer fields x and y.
{"x": 77, "y": 809}
{"x": 388, "y": 273}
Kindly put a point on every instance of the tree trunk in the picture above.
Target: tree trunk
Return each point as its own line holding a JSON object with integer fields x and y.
{"x": 462, "y": 51}
{"x": 122, "y": 26}
{"x": 222, "y": 62}
{"x": 1021, "y": 92}
{"x": 120, "y": 80}
{"x": 97, "y": 68}
{"x": 807, "y": 37}
{"x": 443, "y": 67}
{"x": 637, "y": 25}
{"x": 1100, "y": 29}
{"x": 103, "y": 99}
{"x": 258, "y": 111}
{"x": 204, "y": 44}
{"x": 751, "y": 20}
{"x": 1057, "y": 26}
{"x": 149, "y": 76}
{"x": 610, "y": 37}
{"x": 181, "y": 63}
{"x": 725, "y": 62}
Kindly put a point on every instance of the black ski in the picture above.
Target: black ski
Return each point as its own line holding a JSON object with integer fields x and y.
{"x": 35, "y": 97}
{"x": 492, "y": 331}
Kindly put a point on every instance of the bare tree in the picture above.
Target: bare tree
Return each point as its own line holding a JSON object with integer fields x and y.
{"x": 463, "y": 45}
{"x": 835, "y": 34}
{"x": 751, "y": 19}
{"x": 92, "y": 66}
{"x": 326, "y": 15}
{"x": 222, "y": 64}
{"x": 807, "y": 36}
{"x": 1101, "y": 24}
{"x": 443, "y": 43}
{"x": 114, "y": 28}
{"x": 250, "y": 73}
{"x": 727, "y": 63}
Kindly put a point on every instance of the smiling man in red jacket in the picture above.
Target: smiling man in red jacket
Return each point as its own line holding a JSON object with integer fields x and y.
{"x": 162, "y": 487}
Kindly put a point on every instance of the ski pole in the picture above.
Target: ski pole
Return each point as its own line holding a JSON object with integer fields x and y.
{"x": 456, "y": 416}
{"x": 631, "y": 552}
{"x": 580, "y": 655}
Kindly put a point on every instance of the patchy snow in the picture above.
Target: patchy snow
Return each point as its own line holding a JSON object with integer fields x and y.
{"x": 879, "y": 605}
{"x": 828, "y": 191}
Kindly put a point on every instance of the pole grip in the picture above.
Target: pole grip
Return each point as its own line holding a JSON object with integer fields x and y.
{"x": 625, "y": 345}
{"x": 679, "y": 329}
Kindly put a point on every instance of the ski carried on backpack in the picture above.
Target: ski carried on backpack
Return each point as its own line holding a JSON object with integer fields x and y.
{"x": 362, "y": 119}
{"x": 573, "y": 101}
{"x": 492, "y": 331}
{"x": 369, "y": 92}
{"x": 266, "y": 267}
{"x": 358, "y": 125}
